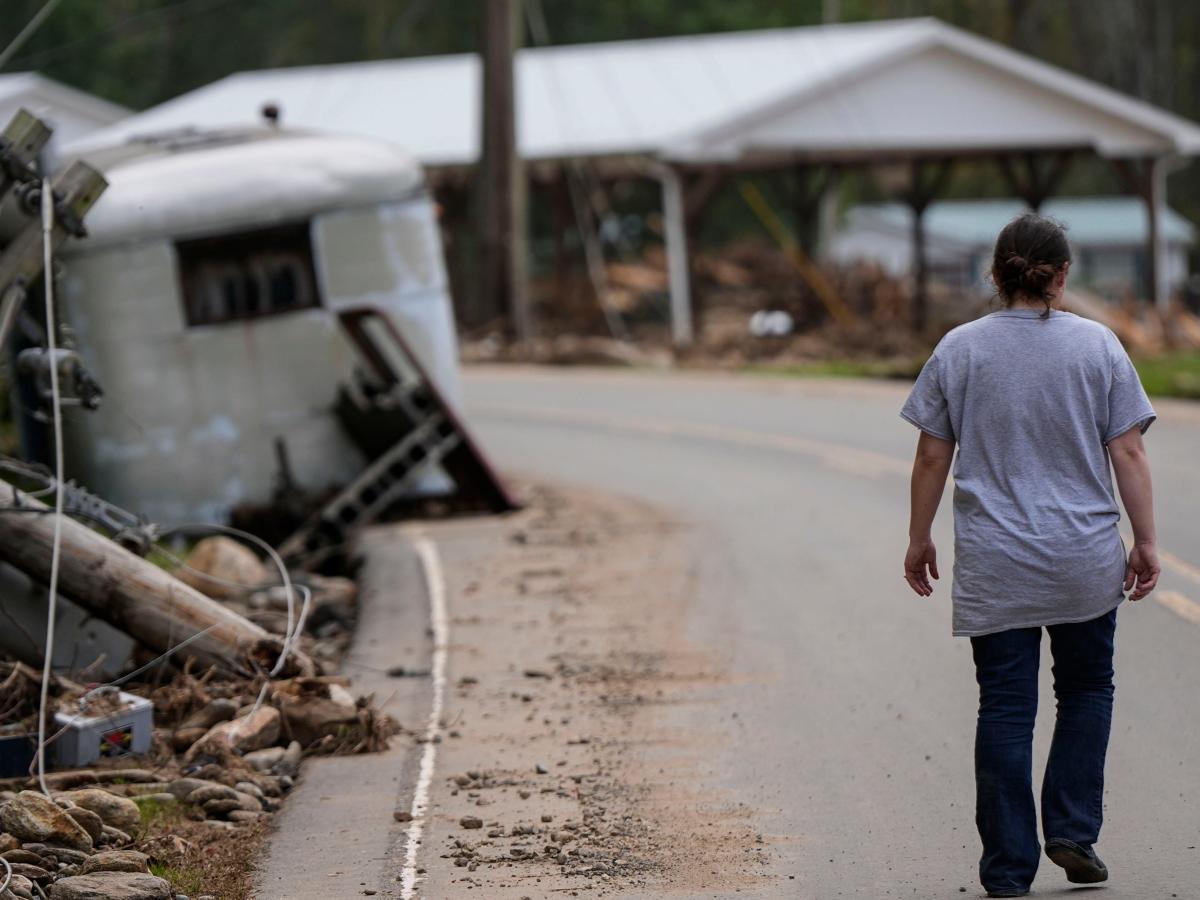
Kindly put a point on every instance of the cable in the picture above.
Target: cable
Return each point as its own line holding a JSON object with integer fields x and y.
{"x": 290, "y": 636}
{"x": 60, "y": 494}
{"x": 122, "y": 27}
{"x": 27, "y": 32}
{"x": 8, "y": 874}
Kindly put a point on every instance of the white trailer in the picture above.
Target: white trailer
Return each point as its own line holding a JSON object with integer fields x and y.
{"x": 206, "y": 301}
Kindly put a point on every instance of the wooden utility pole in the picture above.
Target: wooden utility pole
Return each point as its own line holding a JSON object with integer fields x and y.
{"x": 501, "y": 284}
{"x": 136, "y": 596}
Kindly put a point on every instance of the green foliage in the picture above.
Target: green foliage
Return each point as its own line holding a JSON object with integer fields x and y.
{"x": 183, "y": 880}
{"x": 1171, "y": 375}
{"x": 143, "y": 52}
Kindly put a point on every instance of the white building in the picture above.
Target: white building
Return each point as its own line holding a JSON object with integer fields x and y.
{"x": 1108, "y": 238}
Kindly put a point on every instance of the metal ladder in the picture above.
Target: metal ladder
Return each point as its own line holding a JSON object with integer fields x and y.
{"x": 405, "y": 426}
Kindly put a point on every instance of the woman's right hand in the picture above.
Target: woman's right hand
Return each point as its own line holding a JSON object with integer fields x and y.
{"x": 1141, "y": 570}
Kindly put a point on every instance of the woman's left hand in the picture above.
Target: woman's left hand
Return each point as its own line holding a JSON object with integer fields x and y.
{"x": 921, "y": 555}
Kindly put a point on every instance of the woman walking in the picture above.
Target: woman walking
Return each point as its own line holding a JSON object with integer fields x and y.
{"x": 1039, "y": 402}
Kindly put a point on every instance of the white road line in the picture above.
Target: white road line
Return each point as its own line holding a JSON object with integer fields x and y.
{"x": 435, "y": 585}
{"x": 852, "y": 460}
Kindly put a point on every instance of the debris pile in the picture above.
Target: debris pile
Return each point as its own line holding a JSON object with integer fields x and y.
{"x": 227, "y": 741}
{"x": 736, "y": 286}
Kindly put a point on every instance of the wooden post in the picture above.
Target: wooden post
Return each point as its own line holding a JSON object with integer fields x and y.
{"x": 1156, "y": 237}
{"x": 502, "y": 184}
{"x": 136, "y": 596}
{"x": 678, "y": 257}
{"x": 1146, "y": 178}
{"x": 927, "y": 183}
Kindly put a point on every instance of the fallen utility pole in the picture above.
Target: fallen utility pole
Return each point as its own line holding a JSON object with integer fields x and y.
{"x": 75, "y": 192}
{"x": 135, "y": 596}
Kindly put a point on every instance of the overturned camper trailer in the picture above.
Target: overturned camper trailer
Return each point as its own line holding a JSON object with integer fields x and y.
{"x": 221, "y": 299}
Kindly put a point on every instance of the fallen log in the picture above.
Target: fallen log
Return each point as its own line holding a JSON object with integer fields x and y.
{"x": 147, "y": 603}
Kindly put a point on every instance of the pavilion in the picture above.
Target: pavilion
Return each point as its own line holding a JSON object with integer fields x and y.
{"x": 912, "y": 96}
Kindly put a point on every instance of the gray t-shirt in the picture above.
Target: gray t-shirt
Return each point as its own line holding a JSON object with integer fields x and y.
{"x": 1032, "y": 404}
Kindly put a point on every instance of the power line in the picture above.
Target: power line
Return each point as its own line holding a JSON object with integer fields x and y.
{"x": 27, "y": 32}
{"x": 144, "y": 20}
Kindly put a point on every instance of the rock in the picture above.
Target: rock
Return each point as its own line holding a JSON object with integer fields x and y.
{"x": 243, "y": 816}
{"x": 270, "y": 786}
{"x": 28, "y": 857}
{"x": 242, "y": 735}
{"x": 246, "y": 787}
{"x": 22, "y": 887}
{"x": 471, "y": 822}
{"x": 290, "y": 764}
{"x": 115, "y": 836}
{"x": 30, "y": 817}
{"x": 311, "y": 718}
{"x": 33, "y": 873}
{"x": 234, "y": 568}
{"x": 220, "y": 809}
{"x": 116, "y": 861}
{"x": 111, "y": 886}
{"x": 248, "y": 802}
{"x": 90, "y": 822}
{"x": 265, "y": 760}
{"x": 180, "y": 788}
{"x": 117, "y": 812}
{"x": 402, "y": 815}
{"x": 64, "y": 855}
{"x": 209, "y": 792}
{"x": 198, "y": 723}
{"x": 8, "y": 842}
{"x": 332, "y": 589}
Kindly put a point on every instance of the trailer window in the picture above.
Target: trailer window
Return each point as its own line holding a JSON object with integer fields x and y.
{"x": 247, "y": 275}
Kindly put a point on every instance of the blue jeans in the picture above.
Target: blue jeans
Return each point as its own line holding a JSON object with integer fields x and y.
{"x": 1006, "y": 667}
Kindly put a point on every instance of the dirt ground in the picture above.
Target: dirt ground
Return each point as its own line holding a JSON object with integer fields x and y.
{"x": 566, "y": 656}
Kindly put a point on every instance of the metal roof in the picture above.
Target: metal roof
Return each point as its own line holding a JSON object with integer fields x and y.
{"x": 193, "y": 184}
{"x": 911, "y": 85}
{"x": 1090, "y": 221}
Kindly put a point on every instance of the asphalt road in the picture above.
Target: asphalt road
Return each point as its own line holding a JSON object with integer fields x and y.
{"x": 851, "y": 713}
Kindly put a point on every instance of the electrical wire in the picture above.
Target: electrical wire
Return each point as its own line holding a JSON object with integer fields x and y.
{"x": 60, "y": 494}
{"x": 290, "y": 635}
{"x": 27, "y": 32}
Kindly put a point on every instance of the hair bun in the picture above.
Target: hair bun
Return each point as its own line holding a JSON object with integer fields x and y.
{"x": 1035, "y": 279}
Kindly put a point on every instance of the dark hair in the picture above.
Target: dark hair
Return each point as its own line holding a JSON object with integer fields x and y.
{"x": 1030, "y": 251}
